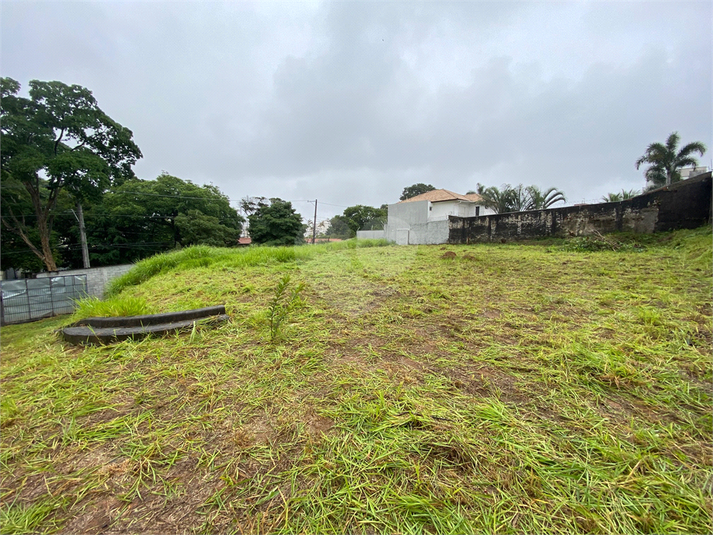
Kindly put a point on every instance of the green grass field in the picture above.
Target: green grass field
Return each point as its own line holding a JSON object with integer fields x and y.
{"x": 514, "y": 388}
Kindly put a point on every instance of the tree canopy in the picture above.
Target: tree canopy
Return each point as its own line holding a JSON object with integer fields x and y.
{"x": 276, "y": 223}
{"x": 57, "y": 140}
{"x": 165, "y": 213}
{"x": 666, "y": 160}
{"x": 414, "y": 190}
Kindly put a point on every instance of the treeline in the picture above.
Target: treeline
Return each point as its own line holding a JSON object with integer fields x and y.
{"x": 64, "y": 160}
{"x": 124, "y": 224}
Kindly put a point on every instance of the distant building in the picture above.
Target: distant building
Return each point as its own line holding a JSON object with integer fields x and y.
{"x": 690, "y": 172}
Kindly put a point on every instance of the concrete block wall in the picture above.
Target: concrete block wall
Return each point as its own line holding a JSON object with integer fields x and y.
{"x": 409, "y": 225}
{"x": 97, "y": 278}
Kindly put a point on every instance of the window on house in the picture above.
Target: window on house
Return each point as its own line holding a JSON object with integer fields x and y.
{"x": 477, "y": 211}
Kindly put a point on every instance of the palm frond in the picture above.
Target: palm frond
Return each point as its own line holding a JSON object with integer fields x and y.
{"x": 552, "y": 196}
{"x": 688, "y": 161}
{"x": 672, "y": 141}
{"x": 689, "y": 149}
{"x": 612, "y": 197}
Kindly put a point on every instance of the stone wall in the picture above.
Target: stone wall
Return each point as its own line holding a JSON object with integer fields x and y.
{"x": 97, "y": 278}
{"x": 686, "y": 204}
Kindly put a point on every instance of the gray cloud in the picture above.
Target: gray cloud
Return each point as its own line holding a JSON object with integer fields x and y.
{"x": 351, "y": 102}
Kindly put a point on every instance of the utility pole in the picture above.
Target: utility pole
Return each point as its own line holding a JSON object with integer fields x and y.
{"x": 83, "y": 235}
{"x": 314, "y": 224}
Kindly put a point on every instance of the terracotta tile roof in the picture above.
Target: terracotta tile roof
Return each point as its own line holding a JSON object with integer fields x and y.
{"x": 438, "y": 195}
{"x": 474, "y": 197}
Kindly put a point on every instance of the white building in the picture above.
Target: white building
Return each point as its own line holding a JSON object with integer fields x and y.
{"x": 690, "y": 172}
{"x": 424, "y": 219}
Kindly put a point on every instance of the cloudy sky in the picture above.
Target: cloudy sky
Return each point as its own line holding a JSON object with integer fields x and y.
{"x": 351, "y": 102}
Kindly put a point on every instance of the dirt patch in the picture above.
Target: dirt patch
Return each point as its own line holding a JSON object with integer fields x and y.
{"x": 486, "y": 381}
{"x": 448, "y": 254}
{"x": 154, "y": 514}
{"x": 341, "y": 297}
{"x": 102, "y": 455}
{"x": 258, "y": 431}
{"x": 491, "y": 313}
{"x": 95, "y": 517}
{"x": 317, "y": 425}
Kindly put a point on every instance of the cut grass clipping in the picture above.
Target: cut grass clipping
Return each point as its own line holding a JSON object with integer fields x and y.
{"x": 503, "y": 388}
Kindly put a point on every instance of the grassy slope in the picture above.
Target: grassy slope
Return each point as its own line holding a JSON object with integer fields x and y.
{"x": 513, "y": 388}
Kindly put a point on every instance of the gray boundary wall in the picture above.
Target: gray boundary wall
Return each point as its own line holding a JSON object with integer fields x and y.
{"x": 371, "y": 234}
{"x": 97, "y": 278}
{"x": 685, "y": 204}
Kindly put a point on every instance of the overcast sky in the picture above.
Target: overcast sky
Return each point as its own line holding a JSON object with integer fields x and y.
{"x": 351, "y": 102}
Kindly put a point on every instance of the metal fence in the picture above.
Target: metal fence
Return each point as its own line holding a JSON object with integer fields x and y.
{"x": 26, "y": 300}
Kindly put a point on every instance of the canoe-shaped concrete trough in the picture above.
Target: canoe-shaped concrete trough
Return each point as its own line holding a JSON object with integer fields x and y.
{"x": 114, "y": 329}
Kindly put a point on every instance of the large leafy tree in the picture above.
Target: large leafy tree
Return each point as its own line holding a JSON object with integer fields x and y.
{"x": 57, "y": 140}
{"x": 665, "y": 160}
{"x": 276, "y": 223}
{"x": 338, "y": 227}
{"x": 362, "y": 217}
{"x": 160, "y": 202}
{"x": 358, "y": 217}
{"x": 415, "y": 189}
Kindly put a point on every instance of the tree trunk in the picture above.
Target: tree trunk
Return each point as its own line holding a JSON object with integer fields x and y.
{"x": 47, "y": 256}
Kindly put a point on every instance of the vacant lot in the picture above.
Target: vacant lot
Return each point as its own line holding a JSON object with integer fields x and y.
{"x": 509, "y": 389}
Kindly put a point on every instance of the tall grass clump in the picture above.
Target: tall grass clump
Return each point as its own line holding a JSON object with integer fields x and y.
{"x": 114, "y": 306}
{"x": 161, "y": 263}
{"x": 354, "y": 244}
{"x": 255, "y": 256}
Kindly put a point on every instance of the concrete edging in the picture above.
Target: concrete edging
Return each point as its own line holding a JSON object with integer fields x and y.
{"x": 114, "y": 329}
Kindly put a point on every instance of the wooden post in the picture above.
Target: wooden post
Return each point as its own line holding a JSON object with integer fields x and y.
{"x": 83, "y": 236}
{"x": 314, "y": 224}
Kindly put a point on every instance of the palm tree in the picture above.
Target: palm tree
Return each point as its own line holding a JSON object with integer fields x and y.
{"x": 500, "y": 201}
{"x": 665, "y": 161}
{"x": 519, "y": 198}
{"x": 539, "y": 200}
{"x": 622, "y": 196}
